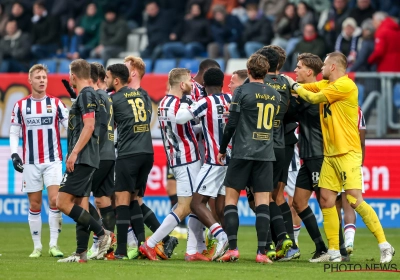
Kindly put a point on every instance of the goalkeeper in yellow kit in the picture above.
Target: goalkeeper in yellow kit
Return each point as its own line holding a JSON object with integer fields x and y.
{"x": 341, "y": 169}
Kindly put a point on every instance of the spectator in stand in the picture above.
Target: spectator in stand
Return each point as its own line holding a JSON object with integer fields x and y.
{"x": 14, "y": 49}
{"x": 330, "y": 22}
{"x": 3, "y": 20}
{"x": 226, "y": 29}
{"x": 45, "y": 32}
{"x": 317, "y": 5}
{"x": 386, "y": 54}
{"x": 113, "y": 35}
{"x": 256, "y": 34}
{"x": 69, "y": 41}
{"x": 22, "y": 15}
{"x": 88, "y": 30}
{"x": 391, "y": 7}
{"x": 194, "y": 34}
{"x": 176, "y": 7}
{"x": 240, "y": 11}
{"x": 306, "y": 14}
{"x": 286, "y": 26}
{"x": 272, "y": 8}
{"x": 159, "y": 26}
{"x": 362, "y": 11}
{"x": 64, "y": 10}
{"x": 366, "y": 48}
{"x": 229, "y": 5}
{"x": 132, "y": 11}
{"x": 347, "y": 41}
{"x": 204, "y": 5}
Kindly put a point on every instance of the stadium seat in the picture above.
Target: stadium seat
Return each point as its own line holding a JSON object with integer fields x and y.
{"x": 63, "y": 67}
{"x": 114, "y": 61}
{"x": 149, "y": 65}
{"x": 50, "y": 63}
{"x": 396, "y": 95}
{"x": 235, "y": 64}
{"x": 163, "y": 66}
{"x": 191, "y": 64}
{"x": 221, "y": 63}
{"x": 133, "y": 42}
{"x": 98, "y": 60}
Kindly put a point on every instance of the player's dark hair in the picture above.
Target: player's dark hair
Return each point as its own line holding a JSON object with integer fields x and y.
{"x": 148, "y": 2}
{"x": 258, "y": 66}
{"x": 208, "y": 63}
{"x": 119, "y": 71}
{"x": 272, "y": 57}
{"x": 340, "y": 59}
{"x": 101, "y": 70}
{"x": 80, "y": 68}
{"x": 242, "y": 74}
{"x": 213, "y": 77}
{"x": 40, "y": 3}
{"x": 94, "y": 73}
{"x": 311, "y": 61}
{"x": 282, "y": 55}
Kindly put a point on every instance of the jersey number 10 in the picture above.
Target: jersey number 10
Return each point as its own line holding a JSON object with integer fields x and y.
{"x": 265, "y": 115}
{"x": 139, "y": 111}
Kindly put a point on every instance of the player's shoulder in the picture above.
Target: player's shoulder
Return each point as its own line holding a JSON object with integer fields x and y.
{"x": 344, "y": 84}
{"x": 23, "y": 99}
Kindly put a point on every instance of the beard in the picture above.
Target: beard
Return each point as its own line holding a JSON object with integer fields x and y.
{"x": 187, "y": 90}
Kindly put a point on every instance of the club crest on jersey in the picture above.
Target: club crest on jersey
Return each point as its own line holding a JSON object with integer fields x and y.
{"x": 49, "y": 110}
{"x": 28, "y": 110}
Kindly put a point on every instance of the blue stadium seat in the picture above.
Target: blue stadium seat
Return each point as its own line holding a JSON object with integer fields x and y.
{"x": 396, "y": 95}
{"x": 63, "y": 68}
{"x": 221, "y": 63}
{"x": 163, "y": 66}
{"x": 98, "y": 60}
{"x": 361, "y": 94}
{"x": 149, "y": 65}
{"x": 50, "y": 63}
{"x": 191, "y": 64}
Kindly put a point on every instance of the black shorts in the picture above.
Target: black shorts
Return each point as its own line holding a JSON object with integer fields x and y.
{"x": 170, "y": 174}
{"x": 131, "y": 173}
{"x": 278, "y": 165}
{"x": 289, "y": 152}
{"x": 309, "y": 172}
{"x": 240, "y": 170}
{"x": 78, "y": 182}
{"x": 103, "y": 179}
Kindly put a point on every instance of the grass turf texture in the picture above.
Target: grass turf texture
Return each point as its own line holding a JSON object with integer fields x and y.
{"x": 16, "y": 245}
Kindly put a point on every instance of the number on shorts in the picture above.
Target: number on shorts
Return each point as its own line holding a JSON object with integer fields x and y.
{"x": 315, "y": 177}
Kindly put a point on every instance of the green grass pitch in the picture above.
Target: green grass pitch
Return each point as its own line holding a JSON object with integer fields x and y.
{"x": 16, "y": 245}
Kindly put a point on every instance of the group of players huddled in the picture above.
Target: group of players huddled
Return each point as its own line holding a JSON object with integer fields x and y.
{"x": 216, "y": 143}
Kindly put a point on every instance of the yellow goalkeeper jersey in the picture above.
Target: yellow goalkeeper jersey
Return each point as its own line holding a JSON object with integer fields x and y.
{"x": 339, "y": 117}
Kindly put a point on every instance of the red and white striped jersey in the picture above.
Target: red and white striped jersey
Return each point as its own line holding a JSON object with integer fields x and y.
{"x": 361, "y": 120}
{"x": 40, "y": 120}
{"x": 180, "y": 142}
{"x": 197, "y": 91}
{"x": 211, "y": 111}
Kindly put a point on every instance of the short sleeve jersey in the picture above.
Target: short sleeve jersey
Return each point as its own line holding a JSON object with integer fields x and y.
{"x": 85, "y": 104}
{"x": 257, "y": 105}
{"x": 339, "y": 117}
{"x": 131, "y": 114}
{"x": 107, "y": 149}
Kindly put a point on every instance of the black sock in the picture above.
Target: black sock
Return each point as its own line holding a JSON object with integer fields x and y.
{"x": 262, "y": 226}
{"x": 149, "y": 218}
{"x": 310, "y": 222}
{"x": 82, "y": 238}
{"x": 173, "y": 199}
{"x": 343, "y": 250}
{"x": 123, "y": 222}
{"x": 270, "y": 245}
{"x": 277, "y": 221}
{"x": 108, "y": 216}
{"x": 232, "y": 225}
{"x": 182, "y": 223}
{"x": 93, "y": 212}
{"x": 137, "y": 221}
{"x": 272, "y": 231}
{"x": 288, "y": 219}
{"x": 80, "y": 215}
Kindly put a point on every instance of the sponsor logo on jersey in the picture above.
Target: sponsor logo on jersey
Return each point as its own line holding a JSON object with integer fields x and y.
{"x": 265, "y": 96}
{"x": 132, "y": 94}
{"x": 261, "y": 136}
{"x": 140, "y": 128}
{"x": 39, "y": 121}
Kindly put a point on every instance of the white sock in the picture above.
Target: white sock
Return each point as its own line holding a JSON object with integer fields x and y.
{"x": 209, "y": 234}
{"x": 132, "y": 240}
{"x": 195, "y": 239}
{"x": 199, "y": 234}
{"x": 168, "y": 225}
{"x": 384, "y": 245}
{"x": 35, "y": 225}
{"x": 349, "y": 233}
{"x": 95, "y": 243}
{"x": 296, "y": 231}
{"x": 217, "y": 231}
{"x": 55, "y": 222}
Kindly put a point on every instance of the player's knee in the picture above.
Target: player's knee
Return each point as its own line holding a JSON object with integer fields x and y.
{"x": 35, "y": 205}
{"x": 53, "y": 201}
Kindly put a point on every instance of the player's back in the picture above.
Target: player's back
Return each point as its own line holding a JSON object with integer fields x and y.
{"x": 257, "y": 104}
{"x": 179, "y": 140}
{"x": 281, "y": 85}
{"x": 106, "y": 141}
{"x": 133, "y": 122}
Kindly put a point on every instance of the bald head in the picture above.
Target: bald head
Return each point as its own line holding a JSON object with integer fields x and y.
{"x": 335, "y": 64}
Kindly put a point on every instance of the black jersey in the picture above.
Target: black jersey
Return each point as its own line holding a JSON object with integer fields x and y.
{"x": 310, "y": 136}
{"x": 257, "y": 105}
{"x": 86, "y": 103}
{"x": 132, "y": 116}
{"x": 107, "y": 149}
{"x": 281, "y": 85}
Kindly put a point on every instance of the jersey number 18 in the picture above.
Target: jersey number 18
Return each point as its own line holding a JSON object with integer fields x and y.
{"x": 139, "y": 111}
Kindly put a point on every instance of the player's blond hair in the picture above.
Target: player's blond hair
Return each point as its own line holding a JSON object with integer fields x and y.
{"x": 80, "y": 68}
{"x": 38, "y": 67}
{"x": 136, "y": 63}
{"x": 339, "y": 58}
{"x": 311, "y": 61}
{"x": 242, "y": 74}
{"x": 258, "y": 66}
{"x": 177, "y": 75}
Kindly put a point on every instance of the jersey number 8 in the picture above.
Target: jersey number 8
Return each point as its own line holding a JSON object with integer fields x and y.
{"x": 139, "y": 111}
{"x": 265, "y": 115}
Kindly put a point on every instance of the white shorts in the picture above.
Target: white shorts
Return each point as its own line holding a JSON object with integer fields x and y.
{"x": 291, "y": 182}
{"x": 210, "y": 180}
{"x": 35, "y": 176}
{"x": 185, "y": 176}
